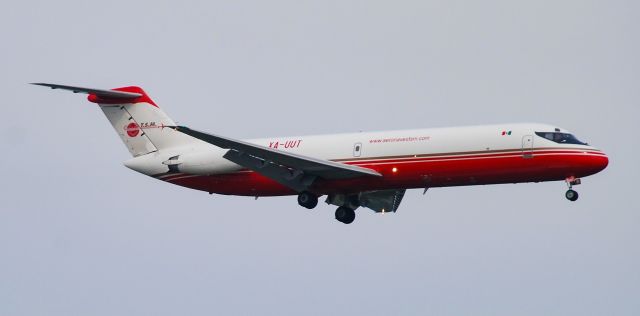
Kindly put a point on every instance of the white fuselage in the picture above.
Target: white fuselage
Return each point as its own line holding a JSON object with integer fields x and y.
{"x": 379, "y": 149}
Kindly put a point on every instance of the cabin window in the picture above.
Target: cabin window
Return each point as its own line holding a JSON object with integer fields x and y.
{"x": 560, "y": 138}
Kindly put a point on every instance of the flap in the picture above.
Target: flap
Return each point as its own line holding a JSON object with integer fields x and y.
{"x": 382, "y": 201}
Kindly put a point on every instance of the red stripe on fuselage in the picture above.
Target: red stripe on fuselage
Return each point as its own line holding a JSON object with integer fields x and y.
{"x": 419, "y": 172}
{"x": 461, "y": 155}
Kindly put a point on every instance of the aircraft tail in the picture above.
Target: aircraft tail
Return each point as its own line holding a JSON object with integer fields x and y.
{"x": 140, "y": 123}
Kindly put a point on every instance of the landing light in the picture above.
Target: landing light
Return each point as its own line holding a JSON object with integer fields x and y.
{"x": 394, "y": 169}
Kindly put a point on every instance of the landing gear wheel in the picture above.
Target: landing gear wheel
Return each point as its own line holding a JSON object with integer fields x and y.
{"x": 571, "y": 195}
{"x": 345, "y": 215}
{"x": 307, "y": 199}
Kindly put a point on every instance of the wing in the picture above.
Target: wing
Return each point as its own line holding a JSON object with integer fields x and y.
{"x": 292, "y": 170}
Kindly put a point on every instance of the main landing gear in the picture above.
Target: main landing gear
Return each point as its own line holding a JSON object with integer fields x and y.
{"x": 345, "y": 215}
{"x": 307, "y": 199}
{"x": 572, "y": 195}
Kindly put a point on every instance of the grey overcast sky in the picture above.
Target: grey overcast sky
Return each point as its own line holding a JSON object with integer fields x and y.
{"x": 80, "y": 234}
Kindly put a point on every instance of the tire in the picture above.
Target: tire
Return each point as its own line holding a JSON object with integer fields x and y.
{"x": 307, "y": 200}
{"x": 571, "y": 195}
{"x": 345, "y": 215}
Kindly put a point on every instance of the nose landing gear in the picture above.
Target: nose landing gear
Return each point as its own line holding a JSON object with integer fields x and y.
{"x": 572, "y": 195}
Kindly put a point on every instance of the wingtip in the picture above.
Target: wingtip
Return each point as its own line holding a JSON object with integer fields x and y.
{"x": 375, "y": 173}
{"x": 175, "y": 127}
{"x": 43, "y": 84}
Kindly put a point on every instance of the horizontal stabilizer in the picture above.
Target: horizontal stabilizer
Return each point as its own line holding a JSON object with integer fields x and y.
{"x": 107, "y": 94}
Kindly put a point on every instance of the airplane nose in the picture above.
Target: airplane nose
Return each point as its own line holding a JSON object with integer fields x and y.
{"x": 604, "y": 162}
{"x": 600, "y": 162}
{"x": 592, "y": 162}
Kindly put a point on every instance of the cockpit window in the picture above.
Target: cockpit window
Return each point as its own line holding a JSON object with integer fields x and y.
{"x": 560, "y": 138}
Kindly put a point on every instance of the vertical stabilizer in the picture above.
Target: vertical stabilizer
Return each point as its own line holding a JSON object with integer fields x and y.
{"x": 139, "y": 122}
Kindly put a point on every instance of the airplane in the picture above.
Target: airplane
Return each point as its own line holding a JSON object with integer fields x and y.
{"x": 366, "y": 169}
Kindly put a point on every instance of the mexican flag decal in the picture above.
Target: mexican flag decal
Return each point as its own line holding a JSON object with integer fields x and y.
{"x": 506, "y": 133}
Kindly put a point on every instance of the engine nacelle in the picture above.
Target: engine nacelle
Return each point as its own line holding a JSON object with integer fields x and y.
{"x": 200, "y": 162}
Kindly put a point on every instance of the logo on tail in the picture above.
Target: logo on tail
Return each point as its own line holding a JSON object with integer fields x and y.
{"x": 132, "y": 129}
